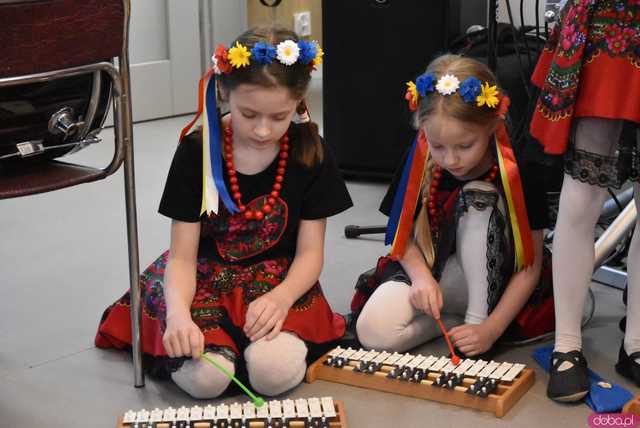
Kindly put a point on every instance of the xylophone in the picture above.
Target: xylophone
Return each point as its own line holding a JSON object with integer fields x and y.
{"x": 483, "y": 385}
{"x": 310, "y": 412}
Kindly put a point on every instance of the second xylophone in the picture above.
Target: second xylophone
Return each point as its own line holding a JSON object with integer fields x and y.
{"x": 484, "y": 385}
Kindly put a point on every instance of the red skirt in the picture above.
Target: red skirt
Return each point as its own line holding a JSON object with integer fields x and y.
{"x": 590, "y": 67}
{"x": 223, "y": 292}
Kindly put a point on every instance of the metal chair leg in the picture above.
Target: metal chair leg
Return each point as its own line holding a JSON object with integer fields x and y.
{"x": 615, "y": 233}
{"x": 134, "y": 264}
{"x": 130, "y": 198}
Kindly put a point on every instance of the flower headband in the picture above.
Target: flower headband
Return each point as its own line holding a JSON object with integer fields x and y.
{"x": 287, "y": 52}
{"x": 471, "y": 90}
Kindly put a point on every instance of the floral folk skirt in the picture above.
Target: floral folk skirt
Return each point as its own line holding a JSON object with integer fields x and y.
{"x": 223, "y": 293}
{"x": 590, "y": 67}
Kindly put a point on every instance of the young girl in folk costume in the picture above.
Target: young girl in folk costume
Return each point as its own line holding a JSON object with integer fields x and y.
{"x": 240, "y": 280}
{"x": 589, "y": 75}
{"x": 460, "y": 228}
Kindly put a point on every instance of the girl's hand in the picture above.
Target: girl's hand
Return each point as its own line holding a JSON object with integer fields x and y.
{"x": 473, "y": 339}
{"x": 426, "y": 296}
{"x": 183, "y": 337}
{"x": 266, "y": 315}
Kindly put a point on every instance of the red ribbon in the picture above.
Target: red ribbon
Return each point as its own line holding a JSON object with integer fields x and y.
{"x": 414, "y": 183}
{"x": 201, "y": 88}
{"x": 516, "y": 194}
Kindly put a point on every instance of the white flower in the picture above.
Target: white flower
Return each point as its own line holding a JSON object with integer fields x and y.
{"x": 216, "y": 70}
{"x": 447, "y": 84}
{"x": 288, "y": 52}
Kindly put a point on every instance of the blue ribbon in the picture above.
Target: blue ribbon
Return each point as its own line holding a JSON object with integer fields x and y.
{"x": 215, "y": 147}
{"x": 398, "y": 200}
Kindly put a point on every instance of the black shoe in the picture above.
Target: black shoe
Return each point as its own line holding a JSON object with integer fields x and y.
{"x": 627, "y": 365}
{"x": 569, "y": 385}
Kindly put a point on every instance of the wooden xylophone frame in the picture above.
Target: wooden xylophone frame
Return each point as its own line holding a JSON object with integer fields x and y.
{"x": 340, "y": 423}
{"x": 499, "y": 403}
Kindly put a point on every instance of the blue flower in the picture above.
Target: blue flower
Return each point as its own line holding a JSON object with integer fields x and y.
{"x": 263, "y": 53}
{"x": 424, "y": 83}
{"x": 470, "y": 89}
{"x": 308, "y": 51}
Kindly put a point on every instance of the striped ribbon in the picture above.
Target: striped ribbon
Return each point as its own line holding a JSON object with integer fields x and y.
{"x": 512, "y": 186}
{"x": 213, "y": 186}
{"x": 400, "y": 224}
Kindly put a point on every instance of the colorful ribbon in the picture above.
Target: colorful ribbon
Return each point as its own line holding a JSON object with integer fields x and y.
{"x": 400, "y": 224}
{"x": 512, "y": 186}
{"x": 213, "y": 186}
{"x": 401, "y": 219}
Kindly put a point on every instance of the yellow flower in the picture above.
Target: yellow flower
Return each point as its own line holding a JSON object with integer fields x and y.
{"x": 412, "y": 96}
{"x": 238, "y": 56}
{"x": 319, "y": 53}
{"x": 488, "y": 95}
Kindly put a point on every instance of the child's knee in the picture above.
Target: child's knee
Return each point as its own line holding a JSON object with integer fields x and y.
{"x": 372, "y": 333}
{"x": 277, "y": 365}
{"x": 201, "y": 380}
{"x": 385, "y": 316}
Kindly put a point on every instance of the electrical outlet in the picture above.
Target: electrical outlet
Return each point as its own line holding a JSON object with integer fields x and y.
{"x": 302, "y": 23}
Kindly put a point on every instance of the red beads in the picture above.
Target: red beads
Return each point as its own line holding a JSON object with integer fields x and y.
{"x": 233, "y": 179}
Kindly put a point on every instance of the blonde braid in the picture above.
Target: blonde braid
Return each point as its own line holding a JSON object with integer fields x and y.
{"x": 422, "y": 228}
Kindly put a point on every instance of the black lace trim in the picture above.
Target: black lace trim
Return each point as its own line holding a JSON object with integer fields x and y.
{"x": 602, "y": 170}
{"x": 496, "y": 258}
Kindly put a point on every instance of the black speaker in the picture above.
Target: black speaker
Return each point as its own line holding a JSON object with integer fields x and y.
{"x": 373, "y": 47}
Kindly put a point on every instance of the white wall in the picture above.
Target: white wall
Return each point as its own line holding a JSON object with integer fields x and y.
{"x": 148, "y": 30}
{"x": 229, "y": 19}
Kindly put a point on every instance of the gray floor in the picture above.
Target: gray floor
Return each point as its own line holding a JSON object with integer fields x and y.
{"x": 63, "y": 259}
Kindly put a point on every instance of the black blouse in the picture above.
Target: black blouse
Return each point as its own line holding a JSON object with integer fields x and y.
{"x": 308, "y": 192}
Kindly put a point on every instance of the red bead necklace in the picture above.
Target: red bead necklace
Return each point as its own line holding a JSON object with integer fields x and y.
{"x": 434, "y": 216}
{"x": 233, "y": 179}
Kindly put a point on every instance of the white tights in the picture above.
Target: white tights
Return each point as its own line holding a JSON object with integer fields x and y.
{"x": 389, "y": 321}
{"x": 274, "y": 366}
{"x": 573, "y": 244}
